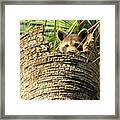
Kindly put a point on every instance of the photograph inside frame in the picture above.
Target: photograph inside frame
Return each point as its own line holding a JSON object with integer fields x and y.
{"x": 60, "y": 59}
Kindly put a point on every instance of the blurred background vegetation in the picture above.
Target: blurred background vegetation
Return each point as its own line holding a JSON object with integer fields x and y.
{"x": 52, "y": 26}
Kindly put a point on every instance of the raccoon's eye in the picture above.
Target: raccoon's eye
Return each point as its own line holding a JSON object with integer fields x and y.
{"x": 76, "y": 44}
{"x": 66, "y": 45}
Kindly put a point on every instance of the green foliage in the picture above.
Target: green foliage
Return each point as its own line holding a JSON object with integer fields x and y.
{"x": 52, "y": 26}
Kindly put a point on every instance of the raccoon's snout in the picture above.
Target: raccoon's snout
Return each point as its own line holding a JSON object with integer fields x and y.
{"x": 72, "y": 49}
{"x": 65, "y": 48}
{"x": 68, "y": 49}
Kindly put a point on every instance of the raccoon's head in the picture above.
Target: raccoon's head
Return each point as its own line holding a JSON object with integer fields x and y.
{"x": 72, "y": 42}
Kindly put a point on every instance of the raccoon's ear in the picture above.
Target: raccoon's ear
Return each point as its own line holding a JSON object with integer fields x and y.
{"x": 83, "y": 33}
{"x": 61, "y": 35}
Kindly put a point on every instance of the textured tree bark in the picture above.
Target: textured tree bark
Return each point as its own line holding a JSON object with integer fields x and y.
{"x": 55, "y": 76}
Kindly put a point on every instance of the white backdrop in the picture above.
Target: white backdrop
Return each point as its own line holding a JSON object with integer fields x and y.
{"x": 14, "y": 105}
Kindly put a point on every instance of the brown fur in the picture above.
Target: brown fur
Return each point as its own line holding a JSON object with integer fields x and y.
{"x": 70, "y": 44}
{"x": 73, "y": 42}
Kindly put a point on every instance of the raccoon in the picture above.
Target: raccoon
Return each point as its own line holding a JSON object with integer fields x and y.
{"x": 72, "y": 42}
